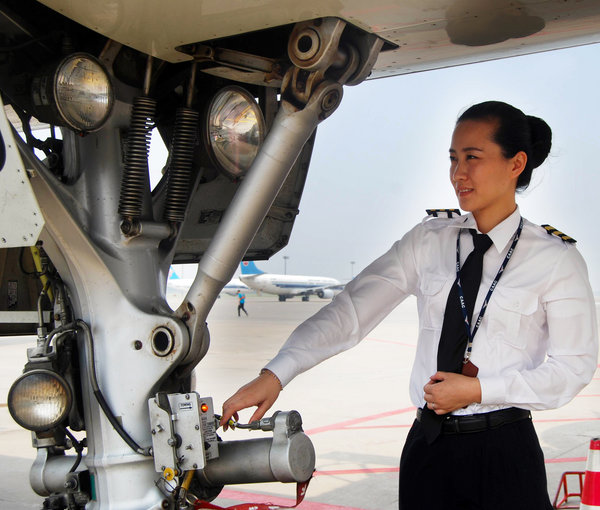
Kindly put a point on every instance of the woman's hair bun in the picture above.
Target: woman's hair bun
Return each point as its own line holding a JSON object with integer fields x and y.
{"x": 541, "y": 140}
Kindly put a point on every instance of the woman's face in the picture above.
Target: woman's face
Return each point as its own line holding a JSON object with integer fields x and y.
{"x": 483, "y": 179}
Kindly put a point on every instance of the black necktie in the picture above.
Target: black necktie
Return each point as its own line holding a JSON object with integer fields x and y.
{"x": 453, "y": 339}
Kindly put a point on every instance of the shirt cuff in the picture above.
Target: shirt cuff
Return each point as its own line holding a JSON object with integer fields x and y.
{"x": 493, "y": 390}
{"x": 282, "y": 368}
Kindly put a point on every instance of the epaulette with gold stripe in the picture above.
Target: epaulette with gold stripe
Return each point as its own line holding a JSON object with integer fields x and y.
{"x": 552, "y": 231}
{"x": 448, "y": 212}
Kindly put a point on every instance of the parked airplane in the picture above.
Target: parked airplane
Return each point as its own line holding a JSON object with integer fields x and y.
{"x": 175, "y": 283}
{"x": 287, "y": 285}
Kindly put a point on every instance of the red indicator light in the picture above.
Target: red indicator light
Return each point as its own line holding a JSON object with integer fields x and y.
{"x": 204, "y": 408}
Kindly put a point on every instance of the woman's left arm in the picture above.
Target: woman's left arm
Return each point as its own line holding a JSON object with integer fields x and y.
{"x": 572, "y": 344}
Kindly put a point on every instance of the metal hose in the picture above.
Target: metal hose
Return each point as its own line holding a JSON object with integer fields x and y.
{"x": 91, "y": 367}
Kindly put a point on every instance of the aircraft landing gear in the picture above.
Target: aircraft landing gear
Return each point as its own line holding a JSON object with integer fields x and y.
{"x": 304, "y": 298}
{"x": 282, "y": 298}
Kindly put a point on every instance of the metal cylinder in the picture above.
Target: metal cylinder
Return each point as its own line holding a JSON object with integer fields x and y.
{"x": 48, "y": 473}
{"x": 239, "y": 462}
{"x": 260, "y": 460}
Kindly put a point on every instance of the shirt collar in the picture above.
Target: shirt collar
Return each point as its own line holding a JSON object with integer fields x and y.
{"x": 500, "y": 235}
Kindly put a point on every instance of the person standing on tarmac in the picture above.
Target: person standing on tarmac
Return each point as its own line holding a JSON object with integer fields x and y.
{"x": 242, "y": 300}
{"x": 507, "y": 326}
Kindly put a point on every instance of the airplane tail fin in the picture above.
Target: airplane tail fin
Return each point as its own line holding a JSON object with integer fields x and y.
{"x": 249, "y": 267}
{"x": 173, "y": 275}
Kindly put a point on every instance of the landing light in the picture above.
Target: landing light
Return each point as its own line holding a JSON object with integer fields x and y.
{"x": 39, "y": 400}
{"x": 77, "y": 93}
{"x": 236, "y": 130}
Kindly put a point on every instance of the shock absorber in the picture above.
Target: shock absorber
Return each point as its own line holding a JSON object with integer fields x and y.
{"x": 180, "y": 161}
{"x": 135, "y": 181}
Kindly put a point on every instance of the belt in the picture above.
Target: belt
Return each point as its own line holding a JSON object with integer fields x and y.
{"x": 453, "y": 424}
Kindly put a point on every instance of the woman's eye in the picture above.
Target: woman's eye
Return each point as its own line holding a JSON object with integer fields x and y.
{"x": 453, "y": 158}
{"x": 471, "y": 156}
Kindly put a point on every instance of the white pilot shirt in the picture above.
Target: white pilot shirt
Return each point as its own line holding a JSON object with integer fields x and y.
{"x": 536, "y": 347}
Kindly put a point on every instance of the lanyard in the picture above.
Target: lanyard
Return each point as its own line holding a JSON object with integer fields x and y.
{"x": 471, "y": 334}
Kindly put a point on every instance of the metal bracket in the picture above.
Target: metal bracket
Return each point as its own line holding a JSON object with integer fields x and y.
{"x": 238, "y": 65}
{"x": 327, "y": 48}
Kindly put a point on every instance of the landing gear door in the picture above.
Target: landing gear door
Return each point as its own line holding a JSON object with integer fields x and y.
{"x": 21, "y": 219}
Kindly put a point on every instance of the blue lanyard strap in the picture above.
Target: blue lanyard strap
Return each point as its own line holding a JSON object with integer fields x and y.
{"x": 463, "y": 306}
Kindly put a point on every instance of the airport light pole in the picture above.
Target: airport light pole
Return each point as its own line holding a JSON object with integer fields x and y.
{"x": 351, "y": 269}
{"x": 285, "y": 259}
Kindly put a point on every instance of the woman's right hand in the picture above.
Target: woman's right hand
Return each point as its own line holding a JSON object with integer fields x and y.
{"x": 261, "y": 392}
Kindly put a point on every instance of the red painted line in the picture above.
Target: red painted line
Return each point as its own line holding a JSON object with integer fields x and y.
{"x": 355, "y": 424}
{"x": 335, "y": 472}
{"x": 249, "y": 497}
{"x": 356, "y": 471}
{"x": 355, "y": 421}
{"x": 566, "y": 459}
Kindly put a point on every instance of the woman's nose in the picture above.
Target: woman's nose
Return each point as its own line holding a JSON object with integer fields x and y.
{"x": 458, "y": 173}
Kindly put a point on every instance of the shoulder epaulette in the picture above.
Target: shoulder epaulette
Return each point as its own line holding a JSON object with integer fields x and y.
{"x": 448, "y": 212}
{"x": 552, "y": 231}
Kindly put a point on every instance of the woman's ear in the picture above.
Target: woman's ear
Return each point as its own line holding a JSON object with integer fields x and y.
{"x": 519, "y": 162}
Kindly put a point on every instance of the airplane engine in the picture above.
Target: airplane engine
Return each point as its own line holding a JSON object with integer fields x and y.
{"x": 325, "y": 294}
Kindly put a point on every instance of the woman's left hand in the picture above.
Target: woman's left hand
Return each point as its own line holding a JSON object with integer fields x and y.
{"x": 446, "y": 392}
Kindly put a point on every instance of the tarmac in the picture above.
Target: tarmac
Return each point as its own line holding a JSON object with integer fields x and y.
{"x": 355, "y": 408}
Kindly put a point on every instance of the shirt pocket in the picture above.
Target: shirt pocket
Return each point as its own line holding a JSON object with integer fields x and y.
{"x": 512, "y": 315}
{"x": 434, "y": 291}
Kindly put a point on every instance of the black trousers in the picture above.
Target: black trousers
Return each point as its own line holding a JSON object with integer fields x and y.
{"x": 494, "y": 469}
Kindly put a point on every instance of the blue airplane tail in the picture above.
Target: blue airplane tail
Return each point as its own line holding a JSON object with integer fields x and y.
{"x": 173, "y": 275}
{"x": 249, "y": 267}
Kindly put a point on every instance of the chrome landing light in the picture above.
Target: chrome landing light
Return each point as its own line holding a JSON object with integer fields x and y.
{"x": 77, "y": 93}
{"x": 236, "y": 130}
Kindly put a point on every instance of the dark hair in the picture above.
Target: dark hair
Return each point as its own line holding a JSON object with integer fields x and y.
{"x": 515, "y": 132}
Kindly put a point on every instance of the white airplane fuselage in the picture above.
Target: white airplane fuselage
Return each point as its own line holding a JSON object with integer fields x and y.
{"x": 287, "y": 285}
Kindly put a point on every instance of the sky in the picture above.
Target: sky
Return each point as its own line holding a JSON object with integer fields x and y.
{"x": 382, "y": 158}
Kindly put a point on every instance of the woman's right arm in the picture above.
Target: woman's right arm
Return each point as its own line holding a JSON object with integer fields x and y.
{"x": 363, "y": 304}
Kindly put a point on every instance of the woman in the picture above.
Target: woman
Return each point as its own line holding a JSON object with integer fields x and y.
{"x": 530, "y": 344}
